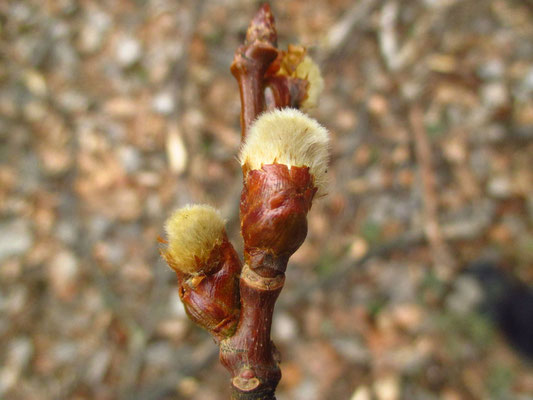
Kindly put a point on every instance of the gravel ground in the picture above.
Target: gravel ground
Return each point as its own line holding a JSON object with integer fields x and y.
{"x": 114, "y": 113}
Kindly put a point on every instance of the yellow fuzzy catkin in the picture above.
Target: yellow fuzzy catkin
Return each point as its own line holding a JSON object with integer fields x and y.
{"x": 288, "y": 137}
{"x": 192, "y": 232}
{"x": 310, "y": 71}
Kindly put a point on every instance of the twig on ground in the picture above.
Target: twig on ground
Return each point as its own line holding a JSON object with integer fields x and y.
{"x": 443, "y": 259}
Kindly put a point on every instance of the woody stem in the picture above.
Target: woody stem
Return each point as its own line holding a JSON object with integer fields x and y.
{"x": 249, "y": 354}
{"x": 250, "y": 63}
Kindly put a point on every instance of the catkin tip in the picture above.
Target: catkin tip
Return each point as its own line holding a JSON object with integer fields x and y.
{"x": 192, "y": 232}
{"x": 288, "y": 137}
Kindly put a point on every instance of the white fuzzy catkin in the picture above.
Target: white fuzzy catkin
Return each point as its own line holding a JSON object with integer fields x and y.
{"x": 192, "y": 232}
{"x": 310, "y": 71}
{"x": 288, "y": 137}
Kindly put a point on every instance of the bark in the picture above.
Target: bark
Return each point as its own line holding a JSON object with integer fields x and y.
{"x": 250, "y": 64}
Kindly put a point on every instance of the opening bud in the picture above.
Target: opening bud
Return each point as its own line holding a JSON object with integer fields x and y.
{"x": 207, "y": 267}
{"x": 294, "y": 80}
{"x": 288, "y": 137}
{"x": 193, "y": 232}
{"x": 284, "y": 161}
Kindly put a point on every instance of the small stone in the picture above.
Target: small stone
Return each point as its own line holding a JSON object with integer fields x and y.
{"x": 491, "y": 69}
{"x": 409, "y": 316}
{"x": 125, "y": 204}
{"x": 130, "y": 158}
{"x": 98, "y": 366}
{"x": 15, "y": 301}
{"x": 455, "y": 150}
{"x": 19, "y": 354}
{"x": 20, "y": 12}
{"x": 375, "y": 178}
{"x": 121, "y": 107}
{"x": 494, "y": 94}
{"x": 159, "y": 355}
{"x": 444, "y": 63}
{"x": 35, "y": 83}
{"x": 11, "y": 270}
{"x": 467, "y": 294}
{"x": 352, "y": 349}
{"x": 398, "y": 283}
{"x": 15, "y": 239}
{"x": 493, "y": 133}
{"x": 55, "y": 160}
{"x": 163, "y": 103}
{"x": 285, "y": 328}
{"x": 34, "y": 110}
{"x": 188, "y": 386}
{"x": 153, "y": 205}
{"x": 8, "y": 107}
{"x": 73, "y": 101}
{"x": 361, "y": 393}
{"x": 401, "y": 154}
{"x": 378, "y": 105}
{"x": 63, "y": 273}
{"x": 500, "y": 187}
{"x": 93, "y": 32}
{"x": 387, "y": 388}
{"x": 64, "y": 353}
{"x": 480, "y": 163}
{"x": 346, "y": 119}
{"x": 174, "y": 329}
{"x": 128, "y": 51}
{"x": 98, "y": 226}
{"x": 176, "y": 152}
{"x": 358, "y": 248}
{"x": 67, "y": 231}
{"x": 307, "y": 390}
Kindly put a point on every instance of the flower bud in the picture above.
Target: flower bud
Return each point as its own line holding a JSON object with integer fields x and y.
{"x": 193, "y": 231}
{"x": 294, "y": 80}
{"x": 284, "y": 161}
{"x": 310, "y": 71}
{"x": 207, "y": 267}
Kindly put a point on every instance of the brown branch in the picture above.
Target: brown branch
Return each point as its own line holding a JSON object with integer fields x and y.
{"x": 273, "y": 225}
{"x": 273, "y": 220}
{"x": 250, "y": 63}
{"x": 249, "y": 354}
{"x": 236, "y": 306}
{"x": 442, "y": 256}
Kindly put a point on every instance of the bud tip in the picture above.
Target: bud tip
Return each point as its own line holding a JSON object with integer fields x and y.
{"x": 192, "y": 232}
{"x": 288, "y": 137}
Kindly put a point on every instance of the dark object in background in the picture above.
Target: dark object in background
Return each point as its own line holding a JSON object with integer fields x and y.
{"x": 508, "y": 302}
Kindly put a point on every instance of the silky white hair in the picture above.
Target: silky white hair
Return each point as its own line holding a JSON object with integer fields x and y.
{"x": 288, "y": 137}
{"x": 192, "y": 232}
{"x": 310, "y": 71}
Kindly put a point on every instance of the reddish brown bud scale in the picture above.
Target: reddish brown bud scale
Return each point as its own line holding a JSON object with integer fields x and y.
{"x": 274, "y": 205}
{"x": 212, "y": 300}
{"x": 261, "y": 28}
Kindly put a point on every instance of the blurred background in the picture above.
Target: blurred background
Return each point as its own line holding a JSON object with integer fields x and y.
{"x": 113, "y": 113}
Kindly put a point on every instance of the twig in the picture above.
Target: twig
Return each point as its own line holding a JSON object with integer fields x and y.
{"x": 442, "y": 256}
{"x": 250, "y": 64}
{"x": 235, "y": 302}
